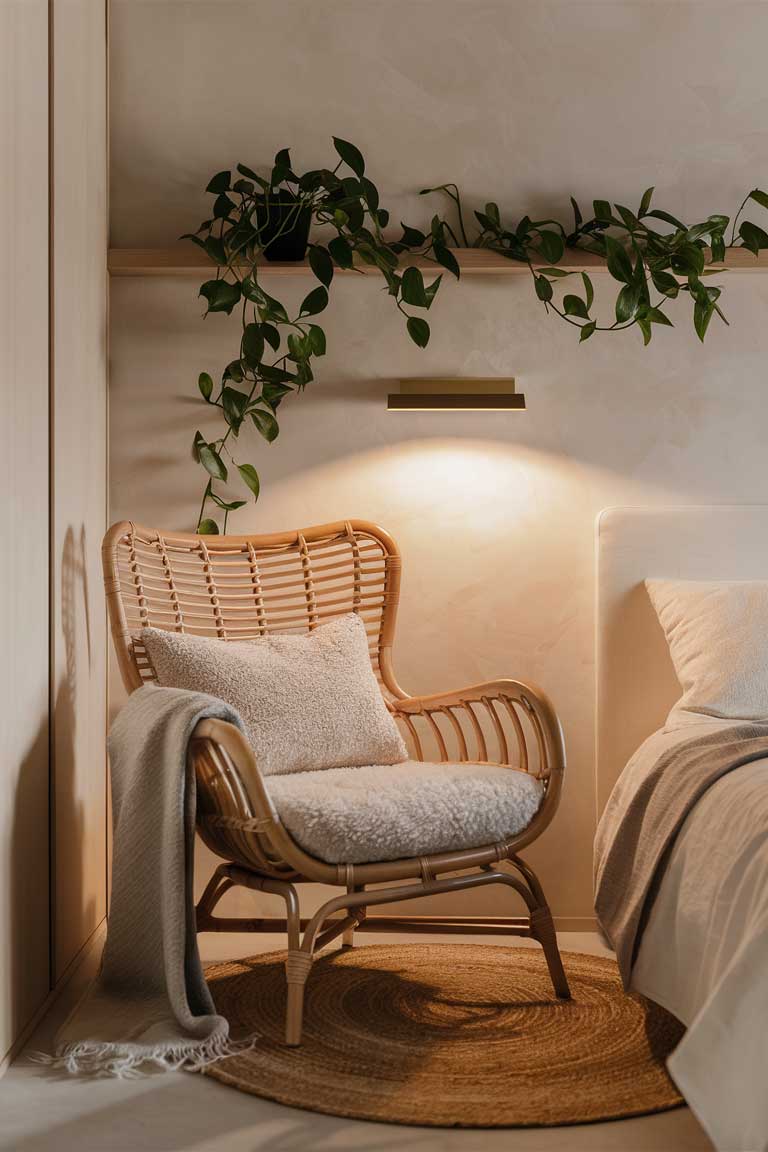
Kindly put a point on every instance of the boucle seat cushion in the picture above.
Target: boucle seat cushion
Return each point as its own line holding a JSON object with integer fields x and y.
{"x": 388, "y": 812}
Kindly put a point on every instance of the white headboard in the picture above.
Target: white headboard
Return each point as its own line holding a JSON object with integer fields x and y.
{"x": 636, "y": 684}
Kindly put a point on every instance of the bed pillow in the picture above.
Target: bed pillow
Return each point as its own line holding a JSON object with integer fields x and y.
{"x": 717, "y": 632}
{"x": 308, "y": 701}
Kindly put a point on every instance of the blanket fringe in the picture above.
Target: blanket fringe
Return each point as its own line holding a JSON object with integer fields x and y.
{"x": 125, "y": 1061}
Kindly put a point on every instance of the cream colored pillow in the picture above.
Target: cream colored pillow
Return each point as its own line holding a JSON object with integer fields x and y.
{"x": 307, "y": 701}
{"x": 717, "y": 631}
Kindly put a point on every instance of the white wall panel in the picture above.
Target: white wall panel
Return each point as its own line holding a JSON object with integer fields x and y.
{"x": 79, "y": 472}
{"x": 24, "y": 954}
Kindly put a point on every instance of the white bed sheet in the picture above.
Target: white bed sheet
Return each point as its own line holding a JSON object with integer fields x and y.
{"x": 704, "y": 952}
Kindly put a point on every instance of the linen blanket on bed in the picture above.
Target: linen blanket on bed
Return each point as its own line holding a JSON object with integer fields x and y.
{"x": 636, "y": 833}
{"x": 150, "y": 1003}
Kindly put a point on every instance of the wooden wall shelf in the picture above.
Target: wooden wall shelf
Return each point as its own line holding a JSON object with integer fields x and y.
{"x": 190, "y": 262}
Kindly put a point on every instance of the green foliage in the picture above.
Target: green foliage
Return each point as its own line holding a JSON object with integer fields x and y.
{"x": 277, "y": 349}
{"x": 641, "y": 258}
{"x": 650, "y": 266}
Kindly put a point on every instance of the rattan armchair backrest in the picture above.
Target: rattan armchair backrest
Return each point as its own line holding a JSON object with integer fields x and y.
{"x": 242, "y": 587}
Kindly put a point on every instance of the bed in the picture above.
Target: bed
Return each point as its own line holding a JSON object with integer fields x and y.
{"x": 703, "y": 953}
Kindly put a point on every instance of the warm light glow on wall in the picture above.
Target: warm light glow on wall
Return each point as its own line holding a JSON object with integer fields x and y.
{"x": 460, "y": 481}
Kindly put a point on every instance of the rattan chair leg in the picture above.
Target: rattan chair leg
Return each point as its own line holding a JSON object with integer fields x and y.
{"x": 219, "y": 883}
{"x": 543, "y": 930}
{"x": 297, "y": 968}
{"x": 348, "y": 936}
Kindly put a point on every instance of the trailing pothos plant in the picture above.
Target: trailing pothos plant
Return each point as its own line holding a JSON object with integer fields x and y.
{"x": 652, "y": 267}
{"x": 256, "y": 218}
{"x": 252, "y": 217}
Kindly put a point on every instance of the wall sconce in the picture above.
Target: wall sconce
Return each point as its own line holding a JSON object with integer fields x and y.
{"x": 456, "y": 395}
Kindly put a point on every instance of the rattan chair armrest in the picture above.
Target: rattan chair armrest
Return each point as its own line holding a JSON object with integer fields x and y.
{"x": 241, "y": 822}
{"x": 525, "y": 695}
{"x": 242, "y": 762}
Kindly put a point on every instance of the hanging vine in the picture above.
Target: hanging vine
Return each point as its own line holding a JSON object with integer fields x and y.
{"x": 256, "y": 217}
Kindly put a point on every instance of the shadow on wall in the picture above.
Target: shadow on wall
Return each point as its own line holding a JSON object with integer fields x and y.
{"x": 70, "y": 907}
{"x": 28, "y": 943}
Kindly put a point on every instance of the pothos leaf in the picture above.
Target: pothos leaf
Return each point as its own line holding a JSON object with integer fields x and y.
{"x": 221, "y": 295}
{"x": 444, "y": 256}
{"x": 657, "y": 214}
{"x": 644, "y": 325}
{"x": 266, "y": 424}
{"x": 552, "y": 246}
{"x": 197, "y": 441}
{"x": 759, "y": 197}
{"x": 314, "y": 302}
{"x": 602, "y": 210}
{"x": 575, "y": 306}
{"x": 626, "y": 303}
{"x": 271, "y": 309}
{"x": 211, "y": 461}
{"x": 543, "y": 288}
{"x": 753, "y": 237}
{"x": 321, "y": 264}
{"x": 272, "y": 394}
{"x": 317, "y": 340}
{"x": 645, "y": 203}
{"x": 412, "y": 288}
{"x": 702, "y": 314}
{"x": 350, "y": 155}
{"x": 271, "y": 335}
{"x": 220, "y": 182}
{"x": 418, "y": 330}
{"x": 253, "y": 344}
{"x": 412, "y": 237}
{"x": 228, "y": 506}
{"x": 619, "y": 264}
{"x": 233, "y": 403}
{"x": 431, "y": 289}
{"x": 341, "y": 252}
{"x": 251, "y": 478}
{"x": 207, "y": 527}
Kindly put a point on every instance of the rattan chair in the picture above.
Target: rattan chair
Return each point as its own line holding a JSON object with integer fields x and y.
{"x": 242, "y": 587}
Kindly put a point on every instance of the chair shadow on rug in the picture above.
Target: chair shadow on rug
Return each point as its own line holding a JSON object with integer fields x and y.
{"x": 237, "y": 588}
{"x": 463, "y": 1035}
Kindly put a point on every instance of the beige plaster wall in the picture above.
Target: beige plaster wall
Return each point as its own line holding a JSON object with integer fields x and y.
{"x": 495, "y": 514}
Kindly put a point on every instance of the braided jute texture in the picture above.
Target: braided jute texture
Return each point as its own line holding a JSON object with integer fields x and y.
{"x": 449, "y": 1035}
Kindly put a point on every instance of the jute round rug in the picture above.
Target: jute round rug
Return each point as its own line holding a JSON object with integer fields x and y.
{"x": 449, "y": 1035}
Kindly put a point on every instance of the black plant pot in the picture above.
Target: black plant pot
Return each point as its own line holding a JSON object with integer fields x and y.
{"x": 283, "y": 227}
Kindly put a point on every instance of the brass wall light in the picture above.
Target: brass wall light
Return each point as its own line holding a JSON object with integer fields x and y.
{"x": 456, "y": 395}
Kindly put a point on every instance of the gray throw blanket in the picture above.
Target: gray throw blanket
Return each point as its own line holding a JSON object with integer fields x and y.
{"x": 633, "y": 842}
{"x": 150, "y": 1003}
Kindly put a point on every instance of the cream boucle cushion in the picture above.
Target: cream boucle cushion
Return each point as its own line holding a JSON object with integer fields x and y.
{"x": 717, "y": 633}
{"x": 387, "y": 812}
{"x": 308, "y": 701}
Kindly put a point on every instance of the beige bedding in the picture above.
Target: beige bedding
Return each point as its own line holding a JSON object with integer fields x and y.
{"x": 704, "y": 950}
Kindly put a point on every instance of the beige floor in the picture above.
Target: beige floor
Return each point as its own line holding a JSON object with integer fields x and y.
{"x": 181, "y": 1113}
